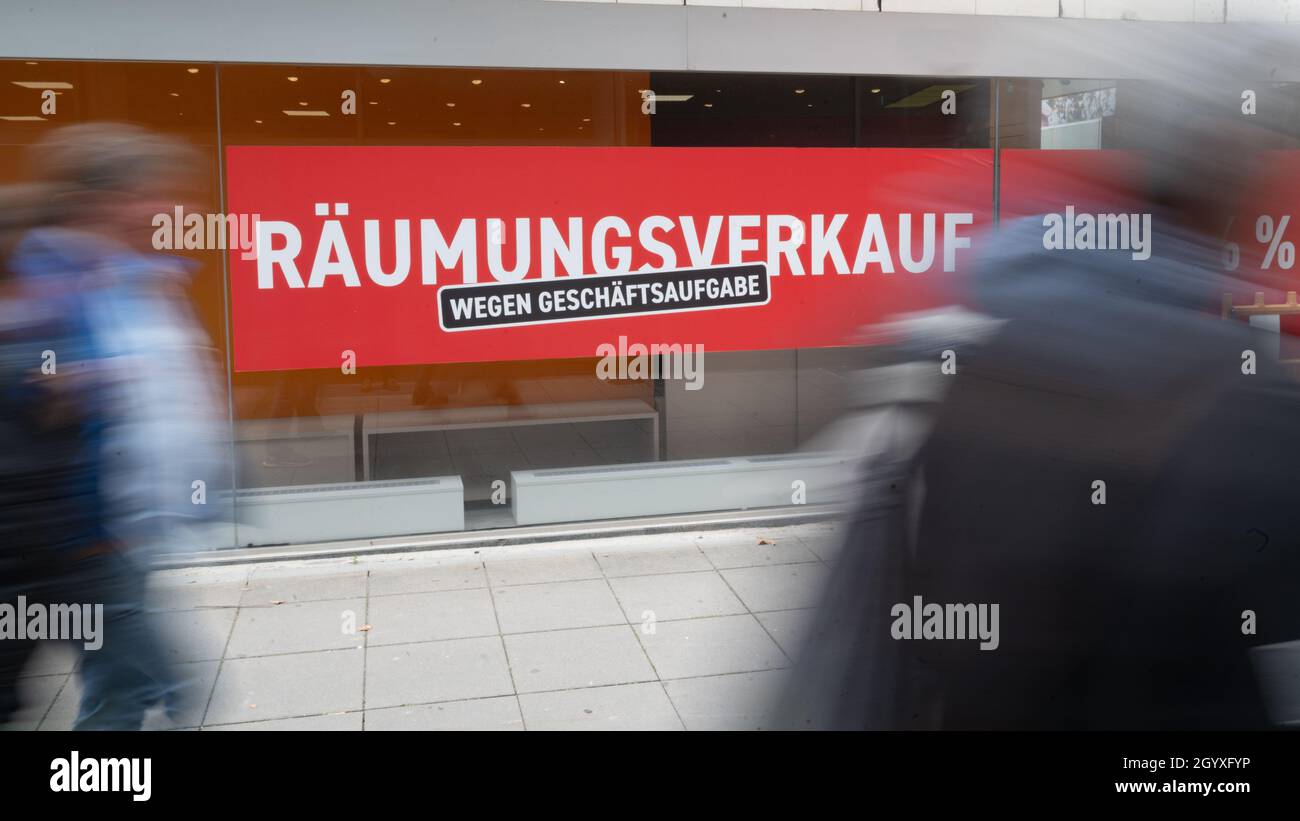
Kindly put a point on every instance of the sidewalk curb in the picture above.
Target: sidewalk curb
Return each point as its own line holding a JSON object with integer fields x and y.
{"x": 503, "y": 537}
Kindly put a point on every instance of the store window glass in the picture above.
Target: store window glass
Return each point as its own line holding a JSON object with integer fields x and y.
{"x": 406, "y": 416}
{"x": 342, "y": 389}
{"x": 1059, "y": 142}
{"x": 356, "y": 380}
{"x": 386, "y": 333}
{"x": 176, "y": 100}
{"x": 797, "y": 399}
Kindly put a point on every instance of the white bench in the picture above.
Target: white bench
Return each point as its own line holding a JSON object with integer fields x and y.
{"x": 505, "y": 416}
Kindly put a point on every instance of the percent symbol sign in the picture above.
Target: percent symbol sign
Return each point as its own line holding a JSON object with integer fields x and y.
{"x": 1283, "y": 251}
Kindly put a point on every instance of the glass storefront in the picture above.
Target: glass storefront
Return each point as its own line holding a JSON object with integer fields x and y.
{"x": 356, "y": 412}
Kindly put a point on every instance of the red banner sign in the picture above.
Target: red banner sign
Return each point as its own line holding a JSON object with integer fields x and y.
{"x": 408, "y": 255}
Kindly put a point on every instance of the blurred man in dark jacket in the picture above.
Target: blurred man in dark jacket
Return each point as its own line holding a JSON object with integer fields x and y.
{"x": 1109, "y": 471}
{"x": 1106, "y": 473}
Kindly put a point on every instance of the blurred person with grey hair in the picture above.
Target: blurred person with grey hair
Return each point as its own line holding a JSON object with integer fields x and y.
{"x": 166, "y": 444}
{"x": 1103, "y": 471}
{"x": 134, "y": 366}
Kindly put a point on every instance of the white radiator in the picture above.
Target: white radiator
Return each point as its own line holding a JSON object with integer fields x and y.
{"x": 363, "y": 510}
{"x": 653, "y": 488}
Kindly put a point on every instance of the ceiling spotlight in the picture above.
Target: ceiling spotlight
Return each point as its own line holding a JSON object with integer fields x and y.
{"x": 174, "y": 94}
{"x": 799, "y": 90}
{"x": 586, "y": 119}
{"x": 875, "y": 91}
{"x": 525, "y": 105}
{"x": 42, "y": 84}
{"x": 456, "y": 124}
{"x": 391, "y": 122}
{"x": 708, "y": 105}
{"x": 192, "y": 70}
{"x": 385, "y": 80}
{"x": 562, "y": 82}
{"x": 292, "y": 79}
{"x": 301, "y": 102}
{"x": 259, "y": 122}
{"x": 477, "y": 82}
{"x": 451, "y": 105}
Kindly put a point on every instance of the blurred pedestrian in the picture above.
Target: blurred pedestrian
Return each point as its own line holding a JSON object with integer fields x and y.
{"x": 135, "y": 368}
{"x": 1105, "y": 471}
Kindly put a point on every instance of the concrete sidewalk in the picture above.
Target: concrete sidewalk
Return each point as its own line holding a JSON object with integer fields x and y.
{"x": 674, "y": 631}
